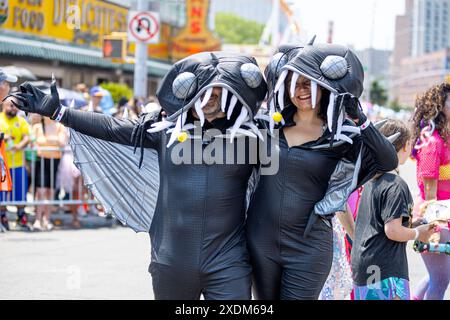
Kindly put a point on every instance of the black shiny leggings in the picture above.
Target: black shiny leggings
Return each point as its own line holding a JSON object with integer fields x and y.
{"x": 175, "y": 283}
{"x": 298, "y": 266}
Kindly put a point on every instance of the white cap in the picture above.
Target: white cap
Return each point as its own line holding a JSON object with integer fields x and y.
{"x": 7, "y": 77}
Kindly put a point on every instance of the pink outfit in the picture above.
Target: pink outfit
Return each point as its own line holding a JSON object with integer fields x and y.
{"x": 353, "y": 202}
{"x": 433, "y": 161}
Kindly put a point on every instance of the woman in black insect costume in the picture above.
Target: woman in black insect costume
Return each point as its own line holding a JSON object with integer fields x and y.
{"x": 321, "y": 125}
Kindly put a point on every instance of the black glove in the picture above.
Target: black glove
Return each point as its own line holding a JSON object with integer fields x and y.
{"x": 31, "y": 99}
{"x": 352, "y": 107}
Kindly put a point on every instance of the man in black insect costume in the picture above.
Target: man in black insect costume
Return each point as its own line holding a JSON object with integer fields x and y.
{"x": 197, "y": 229}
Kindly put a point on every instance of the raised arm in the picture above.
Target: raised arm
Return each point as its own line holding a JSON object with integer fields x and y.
{"x": 100, "y": 126}
{"x": 378, "y": 154}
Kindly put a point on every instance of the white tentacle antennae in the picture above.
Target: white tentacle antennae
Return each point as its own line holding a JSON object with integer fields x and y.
{"x": 271, "y": 112}
{"x": 160, "y": 126}
{"x": 281, "y": 79}
{"x": 254, "y": 129}
{"x": 313, "y": 93}
{"x": 279, "y": 87}
{"x": 263, "y": 117}
{"x": 176, "y": 131}
{"x": 340, "y": 122}
{"x": 239, "y": 121}
{"x": 206, "y": 97}
{"x": 294, "y": 79}
{"x": 343, "y": 137}
{"x": 199, "y": 111}
{"x": 189, "y": 126}
{"x": 330, "y": 112}
{"x": 233, "y": 102}
{"x": 351, "y": 129}
{"x": 186, "y": 127}
{"x": 281, "y": 96}
{"x": 224, "y": 99}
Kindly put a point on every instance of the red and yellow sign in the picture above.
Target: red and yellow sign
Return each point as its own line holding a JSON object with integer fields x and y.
{"x": 195, "y": 37}
{"x": 86, "y": 22}
{"x": 81, "y": 22}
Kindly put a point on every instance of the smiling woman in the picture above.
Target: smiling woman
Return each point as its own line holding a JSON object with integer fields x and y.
{"x": 301, "y": 94}
{"x": 290, "y": 243}
{"x": 431, "y": 134}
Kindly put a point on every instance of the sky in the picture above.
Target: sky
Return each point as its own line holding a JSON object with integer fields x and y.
{"x": 353, "y": 20}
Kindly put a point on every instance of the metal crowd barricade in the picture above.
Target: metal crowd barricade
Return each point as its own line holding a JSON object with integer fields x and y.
{"x": 30, "y": 166}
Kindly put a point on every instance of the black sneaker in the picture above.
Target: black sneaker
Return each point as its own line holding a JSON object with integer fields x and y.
{"x": 5, "y": 223}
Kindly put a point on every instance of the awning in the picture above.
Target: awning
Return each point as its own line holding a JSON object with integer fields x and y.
{"x": 70, "y": 54}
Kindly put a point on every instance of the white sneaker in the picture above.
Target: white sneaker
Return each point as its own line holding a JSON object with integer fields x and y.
{"x": 47, "y": 225}
{"x": 37, "y": 226}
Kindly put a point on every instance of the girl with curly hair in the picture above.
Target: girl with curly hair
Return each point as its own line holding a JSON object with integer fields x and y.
{"x": 431, "y": 121}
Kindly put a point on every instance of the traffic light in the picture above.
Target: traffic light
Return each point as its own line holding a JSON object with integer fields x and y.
{"x": 114, "y": 47}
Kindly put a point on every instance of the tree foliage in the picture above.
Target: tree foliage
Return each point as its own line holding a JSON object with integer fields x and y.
{"x": 377, "y": 94}
{"x": 396, "y": 106}
{"x": 118, "y": 90}
{"x": 236, "y": 30}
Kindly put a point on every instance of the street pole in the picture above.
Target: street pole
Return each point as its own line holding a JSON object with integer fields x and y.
{"x": 140, "y": 66}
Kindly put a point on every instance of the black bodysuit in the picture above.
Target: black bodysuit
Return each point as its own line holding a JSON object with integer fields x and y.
{"x": 197, "y": 233}
{"x": 287, "y": 264}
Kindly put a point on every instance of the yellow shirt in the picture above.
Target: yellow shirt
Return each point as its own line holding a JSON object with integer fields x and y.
{"x": 16, "y": 128}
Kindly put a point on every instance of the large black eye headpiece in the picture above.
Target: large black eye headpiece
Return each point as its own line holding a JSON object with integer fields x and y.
{"x": 193, "y": 76}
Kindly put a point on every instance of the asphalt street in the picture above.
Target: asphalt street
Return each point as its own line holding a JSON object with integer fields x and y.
{"x": 104, "y": 263}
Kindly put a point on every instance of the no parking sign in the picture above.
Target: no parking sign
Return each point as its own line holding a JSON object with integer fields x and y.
{"x": 143, "y": 26}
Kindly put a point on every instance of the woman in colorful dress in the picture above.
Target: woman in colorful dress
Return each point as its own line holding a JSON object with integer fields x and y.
{"x": 432, "y": 152}
{"x": 339, "y": 284}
